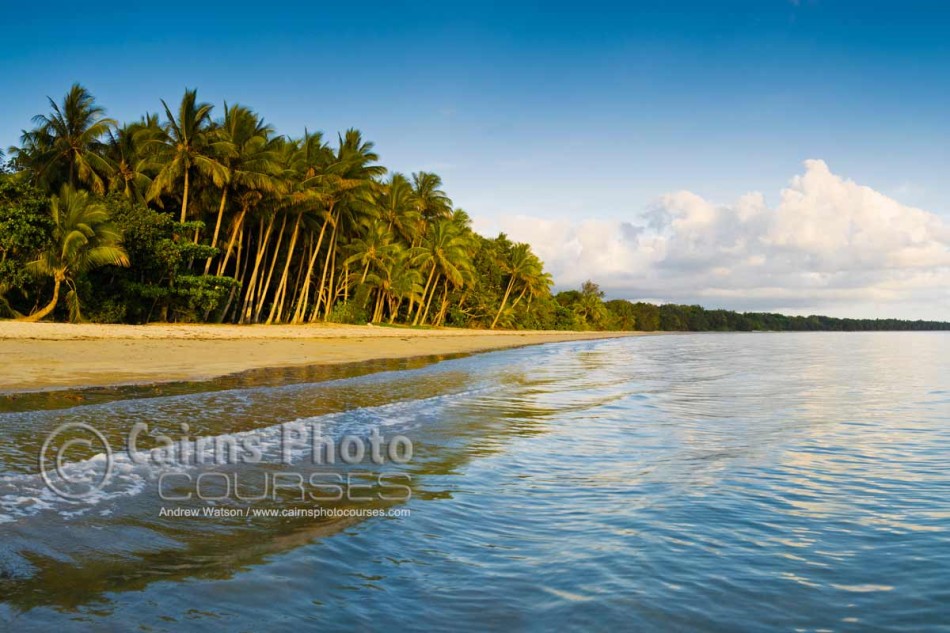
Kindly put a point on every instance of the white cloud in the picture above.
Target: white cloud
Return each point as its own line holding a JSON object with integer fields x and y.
{"x": 829, "y": 245}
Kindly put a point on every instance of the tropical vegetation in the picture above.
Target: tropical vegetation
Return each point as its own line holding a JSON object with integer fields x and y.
{"x": 185, "y": 216}
{"x": 194, "y": 214}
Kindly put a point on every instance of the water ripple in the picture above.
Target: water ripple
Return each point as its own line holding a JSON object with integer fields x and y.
{"x": 697, "y": 482}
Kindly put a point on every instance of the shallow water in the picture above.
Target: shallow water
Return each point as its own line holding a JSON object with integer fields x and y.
{"x": 713, "y": 482}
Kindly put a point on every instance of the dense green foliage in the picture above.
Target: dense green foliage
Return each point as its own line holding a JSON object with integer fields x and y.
{"x": 184, "y": 217}
{"x": 25, "y": 229}
{"x": 82, "y": 239}
{"x": 224, "y": 220}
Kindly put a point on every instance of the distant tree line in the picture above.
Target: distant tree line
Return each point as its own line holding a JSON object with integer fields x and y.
{"x": 692, "y": 318}
{"x": 586, "y": 309}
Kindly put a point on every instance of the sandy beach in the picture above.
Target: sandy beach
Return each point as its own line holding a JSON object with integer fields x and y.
{"x": 55, "y": 355}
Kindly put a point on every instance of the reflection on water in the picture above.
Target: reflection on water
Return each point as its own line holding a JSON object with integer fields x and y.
{"x": 710, "y": 482}
{"x": 268, "y": 377}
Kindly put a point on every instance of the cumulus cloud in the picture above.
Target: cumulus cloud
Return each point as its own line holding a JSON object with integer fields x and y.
{"x": 829, "y": 245}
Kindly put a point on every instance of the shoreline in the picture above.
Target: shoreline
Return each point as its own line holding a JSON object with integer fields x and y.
{"x": 47, "y": 356}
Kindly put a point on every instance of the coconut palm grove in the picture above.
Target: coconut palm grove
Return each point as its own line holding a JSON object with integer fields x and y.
{"x": 185, "y": 216}
{"x": 205, "y": 214}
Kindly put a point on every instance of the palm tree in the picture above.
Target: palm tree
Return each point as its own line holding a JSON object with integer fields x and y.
{"x": 397, "y": 206}
{"x": 126, "y": 152}
{"x": 83, "y": 239}
{"x": 445, "y": 252}
{"x": 250, "y": 160}
{"x": 522, "y": 266}
{"x": 308, "y": 202}
{"x": 537, "y": 284}
{"x": 405, "y": 282}
{"x": 280, "y": 295}
{"x": 186, "y": 147}
{"x": 466, "y": 267}
{"x": 394, "y": 279}
{"x": 589, "y": 307}
{"x": 292, "y": 159}
{"x": 373, "y": 248}
{"x": 348, "y": 186}
{"x": 431, "y": 201}
{"x": 66, "y": 146}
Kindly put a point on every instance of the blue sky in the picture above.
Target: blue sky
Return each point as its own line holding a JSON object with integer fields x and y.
{"x": 554, "y": 111}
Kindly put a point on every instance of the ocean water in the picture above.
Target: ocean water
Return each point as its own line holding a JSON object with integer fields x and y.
{"x": 698, "y": 482}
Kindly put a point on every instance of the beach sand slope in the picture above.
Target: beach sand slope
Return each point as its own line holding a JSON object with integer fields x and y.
{"x": 55, "y": 355}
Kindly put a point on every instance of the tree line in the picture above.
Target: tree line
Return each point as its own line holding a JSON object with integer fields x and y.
{"x": 692, "y": 318}
{"x": 182, "y": 216}
{"x": 185, "y": 216}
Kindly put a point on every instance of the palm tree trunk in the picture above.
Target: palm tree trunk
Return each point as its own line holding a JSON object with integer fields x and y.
{"x": 323, "y": 276}
{"x": 238, "y": 225}
{"x": 422, "y": 299}
{"x": 184, "y": 199}
{"x": 391, "y": 303}
{"x": 262, "y": 290}
{"x": 240, "y": 257}
{"x": 217, "y": 227}
{"x": 278, "y": 306}
{"x": 445, "y": 303}
{"x": 302, "y": 304}
{"x": 36, "y": 316}
{"x": 374, "y": 318}
{"x": 301, "y": 293}
{"x": 247, "y": 261}
{"x": 331, "y": 293}
{"x": 223, "y": 314}
{"x": 503, "y": 302}
{"x": 516, "y": 301}
{"x": 394, "y": 310}
{"x": 262, "y": 238}
{"x": 346, "y": 286}
{"x": 429, "y": 302}
{"x": 363, "y": 280}
{"x": 294, "y": 297}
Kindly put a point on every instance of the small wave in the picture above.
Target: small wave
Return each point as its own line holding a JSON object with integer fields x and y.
{"x": 863, "y": 588}
{"x": 23, "y": 495}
